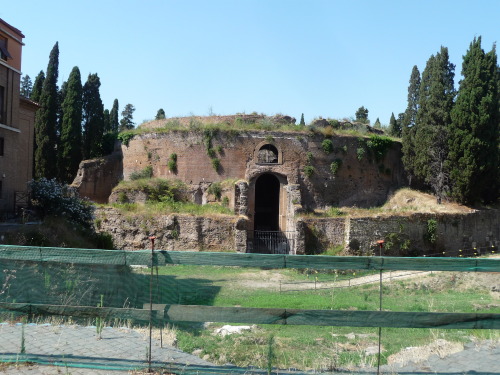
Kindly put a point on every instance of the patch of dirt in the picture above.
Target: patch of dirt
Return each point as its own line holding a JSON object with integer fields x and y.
{"x": 418, "y": 354}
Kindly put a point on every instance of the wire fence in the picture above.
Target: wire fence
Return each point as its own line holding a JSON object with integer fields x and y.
{"x": 122, "y": 310}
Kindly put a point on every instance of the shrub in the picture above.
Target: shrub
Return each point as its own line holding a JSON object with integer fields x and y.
{"x": 431, "y": 231}
{"x": 334, "y": 167}
{"x": 309, "y": 157}
{"x": 308, "y": 170}
{"x": 215, "y": 189}
{"x": 211, "y": 153}
{"x": 216, "y": 164}
{"x": 50, "y": 197}
{"x": 379, "y": 145}
{"x": 327, "y": 146}
{"x": 145, "y": 173}
{"x": 225, "y": 202}
{"x": 360, "y": 153}
{"x": 125, "y": 137}
{"x": 172, "y": 163}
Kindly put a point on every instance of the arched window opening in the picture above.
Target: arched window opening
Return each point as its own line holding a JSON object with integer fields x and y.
{"x": 268, "y": 154}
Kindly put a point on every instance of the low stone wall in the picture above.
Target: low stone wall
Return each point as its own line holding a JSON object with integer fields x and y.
{"x": 173, "y": 232}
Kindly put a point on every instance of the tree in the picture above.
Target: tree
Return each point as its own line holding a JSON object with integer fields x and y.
{"x": 107, "y": 121}
{"x": 436, "y": 98}
{"x": 474, "y": 156}
{"x": 408, "y": 128}
{"x": 160, "y": 115}
{"x": 36, "y": 91}
{"x": 70, "y": 150}
{"x": 46, "y": 121}
{"x": 377, "y": 124}
{"x": 26, "y": 86}
{"x": 302, "y": 122}
{"x": 394, "y": 129}
{"x": 93, "y": 118}
{"x": 362, "y": 115}
{"x": 126, "y": 122}
{"x": 113, "y": 117}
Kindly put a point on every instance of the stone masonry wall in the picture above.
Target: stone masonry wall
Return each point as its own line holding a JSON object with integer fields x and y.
{"x": 359, "y": 181}
{"x": 174, "y": 232}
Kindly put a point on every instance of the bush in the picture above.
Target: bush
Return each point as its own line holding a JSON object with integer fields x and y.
{"x": 125, "y": 137}
{"x": 172, "y": 163}
{"x": 334, "y": 167}
{"x": 50, "y": 197}
{"x": 360, "y": 152}
{"x": 145, "y": 173}
{"x": 216, "y": 164}
{"x": 308, "y": 170}
{"x": 327, "y": 146}
{"x": 216, "y": 190}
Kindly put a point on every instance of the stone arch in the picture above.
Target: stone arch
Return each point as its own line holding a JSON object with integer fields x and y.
{"x": 267, "y": 153}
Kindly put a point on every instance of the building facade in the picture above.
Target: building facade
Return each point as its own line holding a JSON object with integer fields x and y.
{"x": 17, "y": 118}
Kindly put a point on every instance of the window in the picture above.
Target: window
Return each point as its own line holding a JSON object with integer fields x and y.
{"x": 2, "y": 105}
{"x": 4, "y": 53}
{"x": 1, "y": 146}
{"x": 268, "y": 154}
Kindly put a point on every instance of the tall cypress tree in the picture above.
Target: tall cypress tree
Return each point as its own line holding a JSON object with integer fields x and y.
{"x": 408, "y": 128}
{"x": 70, "y": 150}
{"x": 393, "y": 126}
{"x": 436, "y": 98}
{"x": 302, "y": 122}
{"x": 474, "y": 156}
{"x": 93, "y": 118}
{"x": 46, "y": 121}
{"x": 113, "y": 117}
{"x": 36, "y": 92}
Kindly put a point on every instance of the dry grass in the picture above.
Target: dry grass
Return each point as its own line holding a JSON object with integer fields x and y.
{"x": 408, "y": 201}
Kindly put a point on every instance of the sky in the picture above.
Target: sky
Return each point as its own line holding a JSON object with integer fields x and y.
{"x": 195, "y": 57}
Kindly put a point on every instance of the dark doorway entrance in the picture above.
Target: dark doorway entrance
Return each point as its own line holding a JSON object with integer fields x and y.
{"x": 267, "y": 203}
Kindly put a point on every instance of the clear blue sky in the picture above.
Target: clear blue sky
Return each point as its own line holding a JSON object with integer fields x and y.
{"x": 321, "y": 58}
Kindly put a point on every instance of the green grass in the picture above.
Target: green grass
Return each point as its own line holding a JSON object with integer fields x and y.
{"x": 161, "y": 208}
{"x": 311, "y": 347}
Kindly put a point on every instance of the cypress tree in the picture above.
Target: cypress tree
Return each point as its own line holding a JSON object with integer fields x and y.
{"x": 408, "y": 128}
{"x": 36, "y": 92}
{"x": 107, "y": 121}
{"x": 26, "y": 86}
{"x": 302, "y": 122}
{"x": 113, "y": 117}
{"x": 433, "y": 118}
{"x": 160, "y": 115}
{"x": 93, "y": 118}
{"x": 377, "y": 124}
{"x": 393, "y": 126}
{"x": 46, "y": 121}
{"x": 474, "y": 131}
{"x": 70, "y": 150}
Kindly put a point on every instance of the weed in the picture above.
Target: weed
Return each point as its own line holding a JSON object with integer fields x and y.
{"x": 308, "y": 170}
{"x": 125, "y": 137}
{"x": 172, "y": 163}
{"x": 360, "y": 153}
{"x": 309, "y": 157}
{"x": 216, "y": 164}
{"x": 215, "y": 189}
{"x": 99, "y": 322}
{"x": 431, "y": 231}
{"x": 269, "y": 138}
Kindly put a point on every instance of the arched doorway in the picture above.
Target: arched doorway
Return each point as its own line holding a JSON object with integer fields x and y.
{"x": 267, "y": 203}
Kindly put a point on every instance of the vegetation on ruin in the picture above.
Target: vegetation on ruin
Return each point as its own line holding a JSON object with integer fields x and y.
{"x": 163, "y": 197}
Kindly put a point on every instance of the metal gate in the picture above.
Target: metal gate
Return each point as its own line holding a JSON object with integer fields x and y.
{"x": 270, "y": 242}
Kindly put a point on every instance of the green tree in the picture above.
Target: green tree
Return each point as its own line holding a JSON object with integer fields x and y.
{"x": 113, "y": 117}
{"x": 26, "y": 86}
{"x": 93, "y": 118}
{"x": 436, "y": 98}
{"x": 127, "y": 123}
{"x": 394, "y": 129}
{"x": 362, "y": 115}
{"x": 36, "y": 92}
{"x": 107, "y": 121}
{"x": 46, "y": 121}
{"x": 377, "y": 124}
{"x": 408, "y": 128}
{"x": 474, "y": 156}
{"x": 160, "y": 115}
{"x": 302, "y": 122}
{"x": 70, "y": 150}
